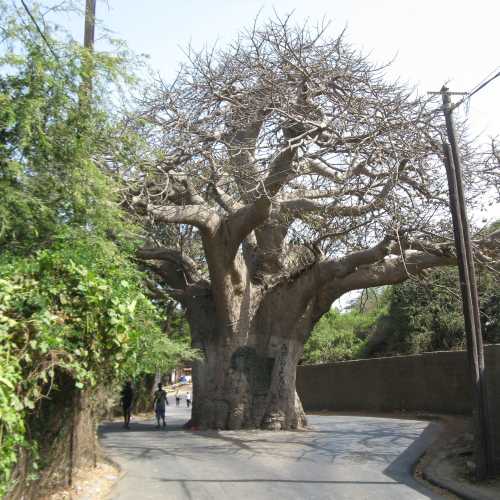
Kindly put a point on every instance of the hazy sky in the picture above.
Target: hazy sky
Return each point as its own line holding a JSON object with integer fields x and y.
{"x": 433, "y": 42}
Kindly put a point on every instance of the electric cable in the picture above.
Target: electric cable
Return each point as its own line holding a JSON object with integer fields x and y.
{"x": 26, "y": 8}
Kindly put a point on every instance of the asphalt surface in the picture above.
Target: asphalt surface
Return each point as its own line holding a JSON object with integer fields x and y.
{"x": 338, "y": 457}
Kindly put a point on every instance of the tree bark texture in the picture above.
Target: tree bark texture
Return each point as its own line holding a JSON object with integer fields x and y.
{"x": 250, "y": 352}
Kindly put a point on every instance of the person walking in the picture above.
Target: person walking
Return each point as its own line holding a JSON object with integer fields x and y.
{"x": 177, "y": 398}
{"x": 188, "y": 399}
{"x": 159, "y": 402}
{"x": 127, "y": 398}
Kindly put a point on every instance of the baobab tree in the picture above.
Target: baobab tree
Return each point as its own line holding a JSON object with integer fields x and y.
{"x": 286, "y": 171}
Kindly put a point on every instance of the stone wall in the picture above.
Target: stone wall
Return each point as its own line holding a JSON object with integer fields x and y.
{"x": 437, "y": 382}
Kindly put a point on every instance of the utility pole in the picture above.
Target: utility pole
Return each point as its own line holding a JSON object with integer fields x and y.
{"x": 88, "y": 39}
{"x": 470, "y": 302}
{"x": 81, "y": 398}
{"x": 88, "y": 44}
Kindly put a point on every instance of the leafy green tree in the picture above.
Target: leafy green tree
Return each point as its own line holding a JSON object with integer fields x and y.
{"x": 339, "y": 336}
{"x": 49, "y": 142}
{"x": 71, "y": 296}
{"x": 426, "y": 315}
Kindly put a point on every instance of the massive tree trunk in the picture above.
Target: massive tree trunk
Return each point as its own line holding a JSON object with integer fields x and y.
{"x": 242, "y": 385}
{"x": 250, "y": 353}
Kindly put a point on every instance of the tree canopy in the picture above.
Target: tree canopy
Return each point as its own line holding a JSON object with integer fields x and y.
{"x": 303, "y": 151}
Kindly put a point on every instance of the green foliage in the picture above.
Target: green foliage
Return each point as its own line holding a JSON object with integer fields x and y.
{"x": 158, "y": 352}
{"x": 70, "y": 296}
{"x": 77, "y": 306}
{"x": 339, "y": 336}
{"x": 423, "y": 318}
{"x": 426, "y": 315}
{"x": 49, "y": 140}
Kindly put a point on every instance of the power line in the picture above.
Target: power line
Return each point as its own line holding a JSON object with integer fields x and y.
{"x": 484, "y": 84}
{"x": 39, "y": 30}
{"x": 476, "y": 89}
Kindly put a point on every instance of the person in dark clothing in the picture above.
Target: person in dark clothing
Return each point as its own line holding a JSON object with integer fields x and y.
{"x": 127, "y": 397}
{"x": 159, "y": 402}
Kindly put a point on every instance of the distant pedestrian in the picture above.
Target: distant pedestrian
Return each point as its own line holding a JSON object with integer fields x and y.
{"x": 177, "y": 398}
{"x": 159, "y": 402}
{"x": 188, "y": 399}
{"x": 127, "y": 398}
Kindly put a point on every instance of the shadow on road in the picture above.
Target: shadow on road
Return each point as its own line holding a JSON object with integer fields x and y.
{"x": 368, "y": 451}
{"x": 117, "y": 427}
{"x": 265, "y": 480}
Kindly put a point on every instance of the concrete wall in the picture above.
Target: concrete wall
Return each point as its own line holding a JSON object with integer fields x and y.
{"x": 434, "y": 382}
{"x": 437, "y": 382}
{"x": 492, "y": 363}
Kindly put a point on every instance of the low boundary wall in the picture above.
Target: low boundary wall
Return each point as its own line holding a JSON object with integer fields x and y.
{"x": 436, "y": 382}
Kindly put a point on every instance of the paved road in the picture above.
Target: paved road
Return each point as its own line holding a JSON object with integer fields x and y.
{"x": 339, "y": 457}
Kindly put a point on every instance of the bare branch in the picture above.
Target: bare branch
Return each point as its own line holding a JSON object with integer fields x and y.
{"x": 332, "y": 269}
{"x": 392, "y": 270}
{"x": 290, "y": 114}
{"x": 245, "y": 220}
{"x": 195, "y": 215}
{"x": 183, "y": 263}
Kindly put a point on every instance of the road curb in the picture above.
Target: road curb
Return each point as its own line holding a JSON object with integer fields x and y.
{"x": 432, "y": 474}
